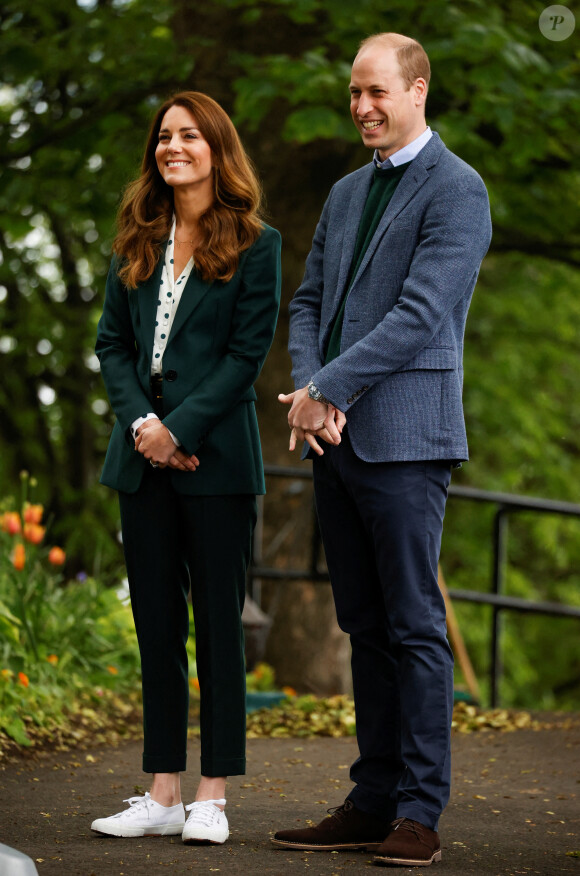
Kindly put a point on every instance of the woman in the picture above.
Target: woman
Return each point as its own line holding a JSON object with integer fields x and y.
{"x": 190, "y": 310}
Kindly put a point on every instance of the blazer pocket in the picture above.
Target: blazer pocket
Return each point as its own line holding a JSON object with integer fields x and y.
{"x": 435, "y": 358}
{"x": 402, "y": 223}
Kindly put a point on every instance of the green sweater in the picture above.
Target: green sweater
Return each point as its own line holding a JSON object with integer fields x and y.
{"x": 382, "y": 189}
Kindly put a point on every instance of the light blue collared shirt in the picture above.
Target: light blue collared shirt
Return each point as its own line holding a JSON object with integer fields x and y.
{"x": 407, "y": 153}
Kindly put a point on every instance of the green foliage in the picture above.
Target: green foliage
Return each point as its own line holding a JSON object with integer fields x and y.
{"x": 296, "y": 79}
{"x": 523, "y": 414}
{"x": 261, "y": 679}
{"x": 58, "y": 639}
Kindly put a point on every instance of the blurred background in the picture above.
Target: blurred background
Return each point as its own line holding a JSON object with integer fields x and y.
{"x": 80, "y": 82}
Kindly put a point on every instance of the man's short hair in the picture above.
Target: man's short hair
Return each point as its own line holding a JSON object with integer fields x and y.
{"x": 411, "y": 55}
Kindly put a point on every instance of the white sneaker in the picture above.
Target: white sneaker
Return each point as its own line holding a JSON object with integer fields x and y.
{"x": 144, "y": 817}
{"x": 206, "y": 823}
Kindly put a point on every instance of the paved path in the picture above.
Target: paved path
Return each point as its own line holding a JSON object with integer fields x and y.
{"x": 515, "y": 809}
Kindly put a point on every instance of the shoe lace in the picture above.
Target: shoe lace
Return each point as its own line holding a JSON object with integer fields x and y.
{"x": 339, "y": 812}
{"x": 139, "y": 802}
{"x": 406, "y": 824}
{"x": 205, "y": 811}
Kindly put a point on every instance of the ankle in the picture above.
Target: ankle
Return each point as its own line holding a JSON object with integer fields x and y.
{"x": 165, "y": 799}
{"x": 166, "y": 789}
{"x": 212, "y": 790}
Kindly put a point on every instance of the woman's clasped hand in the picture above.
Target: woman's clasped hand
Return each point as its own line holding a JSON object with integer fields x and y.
{"x": 154, "y": 441}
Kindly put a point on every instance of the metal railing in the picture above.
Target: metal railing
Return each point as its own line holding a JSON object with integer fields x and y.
{"x": 506, "y": 504}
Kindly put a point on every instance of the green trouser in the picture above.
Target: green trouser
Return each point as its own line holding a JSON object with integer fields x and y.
{"x": 173, "y": 542}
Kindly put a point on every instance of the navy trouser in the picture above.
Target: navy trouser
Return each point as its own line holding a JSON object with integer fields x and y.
{"x": 381, "y": 526}
{"x": 171, "y": 541}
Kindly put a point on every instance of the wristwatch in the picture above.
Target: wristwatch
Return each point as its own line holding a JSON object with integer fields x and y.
{"x": 316, "y": 395}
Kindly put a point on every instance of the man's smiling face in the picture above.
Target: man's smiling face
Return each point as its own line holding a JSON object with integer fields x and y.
{"x": 388, "y": 114}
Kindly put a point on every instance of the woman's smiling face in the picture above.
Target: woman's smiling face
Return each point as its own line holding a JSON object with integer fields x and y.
{"x": 183, "y": 156}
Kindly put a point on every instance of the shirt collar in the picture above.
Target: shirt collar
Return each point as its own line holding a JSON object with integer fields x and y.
{"x": 407, "y": 153}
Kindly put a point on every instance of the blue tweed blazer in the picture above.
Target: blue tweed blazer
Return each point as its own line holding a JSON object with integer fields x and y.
{"x": 399, "y": 375}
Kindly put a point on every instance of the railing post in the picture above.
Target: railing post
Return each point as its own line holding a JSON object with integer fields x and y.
{"x": 500, "y": 531}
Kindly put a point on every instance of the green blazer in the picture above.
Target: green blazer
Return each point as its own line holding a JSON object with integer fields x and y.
{"x": 218, "y": 343}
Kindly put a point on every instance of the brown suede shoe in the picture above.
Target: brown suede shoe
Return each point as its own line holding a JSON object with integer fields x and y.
{"x": 347, "y": 828}
{"x": 409, "y": 844}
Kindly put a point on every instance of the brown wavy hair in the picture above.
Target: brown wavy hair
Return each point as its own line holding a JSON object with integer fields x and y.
{"x": 228, "y": 227}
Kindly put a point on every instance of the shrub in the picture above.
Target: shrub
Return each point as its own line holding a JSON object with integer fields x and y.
{"x": 58, "y": 638}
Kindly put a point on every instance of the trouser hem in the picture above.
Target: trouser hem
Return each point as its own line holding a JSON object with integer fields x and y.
{"x": 164, "y": 764}
{"x": 223, "y": 766}
{"x": 417, "y": 813}
{"x": 372, "y": 804}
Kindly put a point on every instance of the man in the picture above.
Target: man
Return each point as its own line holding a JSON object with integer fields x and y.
{"x": 376, "y": 339}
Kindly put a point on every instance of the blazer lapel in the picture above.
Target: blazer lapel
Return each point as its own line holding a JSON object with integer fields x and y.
{"x": 195, "y": 291}
{"x": 416, "y": 175}
{"x": 148, "y": 296}
{"x": 354, "y": 212}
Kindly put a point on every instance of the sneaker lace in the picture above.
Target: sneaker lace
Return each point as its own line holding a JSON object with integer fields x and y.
{"x": 205, "y": 811}
{"x": 139, "y": 802}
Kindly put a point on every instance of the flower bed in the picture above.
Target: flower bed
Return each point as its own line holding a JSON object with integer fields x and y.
{"x": 63, "y": 643}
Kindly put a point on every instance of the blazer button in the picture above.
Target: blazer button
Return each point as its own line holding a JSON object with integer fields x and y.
{"x": 350, "y": 400}
{"x": 171, "y": 376}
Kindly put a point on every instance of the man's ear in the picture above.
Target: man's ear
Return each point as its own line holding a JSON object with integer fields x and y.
{"x": 420, "y": 88}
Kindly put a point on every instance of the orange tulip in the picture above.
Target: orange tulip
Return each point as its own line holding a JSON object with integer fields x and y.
{"x": 52, "y": 658}
{"x": 19, "y": 557}
{"x": 56, "y": 556}
{"x": 32, "y": 513}
{"x": 33, "y": 532}
{"x": 23, "y": 679}
{"x": 113, "y": 670}
{"x": 10, "y": 522}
